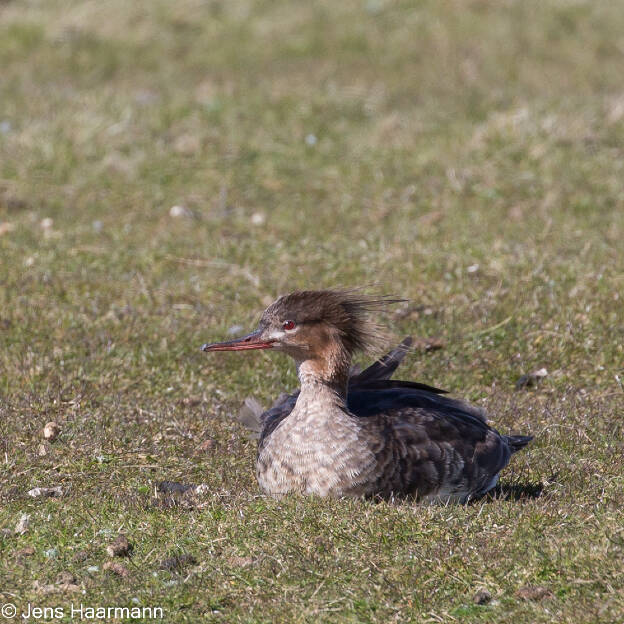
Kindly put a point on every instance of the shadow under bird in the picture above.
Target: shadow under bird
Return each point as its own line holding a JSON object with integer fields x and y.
{"x": 363, "y": 434}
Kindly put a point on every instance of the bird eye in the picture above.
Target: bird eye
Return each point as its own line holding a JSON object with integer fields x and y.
{"x": 288, "y": 325}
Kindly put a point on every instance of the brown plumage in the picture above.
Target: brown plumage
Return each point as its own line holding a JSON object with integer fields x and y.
{"x": 364, "y": 435}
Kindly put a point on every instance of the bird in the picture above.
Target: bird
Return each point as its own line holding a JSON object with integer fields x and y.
{"x": 363, "y": 435}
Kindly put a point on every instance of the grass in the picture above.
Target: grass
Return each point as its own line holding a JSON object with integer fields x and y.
{"x": 467, "y": 155}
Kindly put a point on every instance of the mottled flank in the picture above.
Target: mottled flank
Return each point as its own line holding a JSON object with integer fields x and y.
{"x": 366, "y": 435}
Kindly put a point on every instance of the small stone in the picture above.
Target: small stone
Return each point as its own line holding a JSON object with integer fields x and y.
{"x": 119, "y": 547}
{"x": 531, "y": 379}
{"x": 191, "y": 401}
{"x": 80, "y": 556}
{"x": 46, "y": 224}
{"x": 51, "y": 553}
{"x": 187, "y": 144}
{"x": 482, "y": 597}
{"x": 202, "y": 488}
{"x": 429, "y": 344}
{"x": 42, "y": 451}
{"x": 93, "y": 569}
{"x": 65, "y": 578}
{"x": 22, "y": 525}
{"x": 311, "y": 140}
{"x": 258, "y": 218}
{"x": 516, "y": 213}
{"x": 172, "y": 487}
{"x": 116, "y": 568}
{"x": 29, "y": 551}
{"x": 45, "y": 588}
{"x": 206, "y": 446}
{"x": 533, "y": 592}
{"x": 97, "y": 226}
{"x": 178, "y": 562}
{"x": 51, "y": 431}
{"x": 179, "y": 211}
{"x": 473, "y": 268}
{"x": 6, "y": 227}
{"x": 45, "y": 492}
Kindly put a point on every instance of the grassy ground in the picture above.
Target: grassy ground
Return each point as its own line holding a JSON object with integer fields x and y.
{"x": 467, "y": 155}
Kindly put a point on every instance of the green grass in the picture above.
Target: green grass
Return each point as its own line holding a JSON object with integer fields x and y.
{"x": 315, "y": 144}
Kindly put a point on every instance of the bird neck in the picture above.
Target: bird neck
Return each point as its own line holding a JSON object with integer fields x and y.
{"x": 328, "y": 371}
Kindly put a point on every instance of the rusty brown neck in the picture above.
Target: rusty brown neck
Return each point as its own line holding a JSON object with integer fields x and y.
{"x": 330, "y": 370}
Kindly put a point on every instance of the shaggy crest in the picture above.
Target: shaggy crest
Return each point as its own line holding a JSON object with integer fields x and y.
{"x": 349, "y": 311}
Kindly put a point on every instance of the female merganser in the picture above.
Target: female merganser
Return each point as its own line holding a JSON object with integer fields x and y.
{"x": 364, "y": 435}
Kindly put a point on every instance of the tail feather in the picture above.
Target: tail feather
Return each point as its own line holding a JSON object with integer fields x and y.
{"x": 384, "y": 367}
{"x": 517, "y": 442}
{"x": 378, "y": 375}
{"x": 250, "y": 416}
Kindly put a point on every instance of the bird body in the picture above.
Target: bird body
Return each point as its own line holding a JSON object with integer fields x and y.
{"x": 319, "y": 448}
{"x": 366, "y": 434}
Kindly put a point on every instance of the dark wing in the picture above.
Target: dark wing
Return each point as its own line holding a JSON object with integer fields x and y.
{"x": 385, "y": 384}
{"x": 432, "y": 445}
{"x": 432, "y": 449}
{"x": 368, "y": 401}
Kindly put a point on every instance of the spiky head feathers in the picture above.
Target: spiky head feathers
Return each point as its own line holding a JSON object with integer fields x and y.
{"x": 345, "y": 313}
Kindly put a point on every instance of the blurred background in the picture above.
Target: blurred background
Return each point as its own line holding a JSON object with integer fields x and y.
{"x": 168, "y": 168}
{"x": 175, "y": 166}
